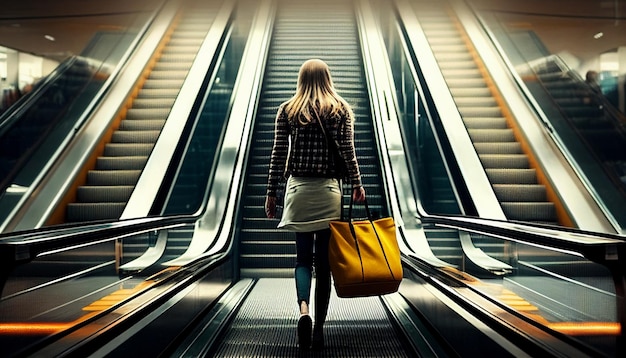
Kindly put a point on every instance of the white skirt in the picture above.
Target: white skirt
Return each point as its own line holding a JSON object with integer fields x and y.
{"x": 310, "y": 204}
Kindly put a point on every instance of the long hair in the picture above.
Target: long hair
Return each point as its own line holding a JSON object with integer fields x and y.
{"x": 315, "y": 91}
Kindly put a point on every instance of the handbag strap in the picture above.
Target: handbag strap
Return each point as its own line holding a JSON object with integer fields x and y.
{"x": 367, "y": 209}
{"x": 331, "y": 144}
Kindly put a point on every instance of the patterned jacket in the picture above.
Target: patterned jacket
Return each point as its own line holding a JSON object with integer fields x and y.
{"x": 309, "y": 155}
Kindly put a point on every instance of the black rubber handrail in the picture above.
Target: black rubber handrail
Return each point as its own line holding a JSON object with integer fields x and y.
{"x": 20, "y": 248}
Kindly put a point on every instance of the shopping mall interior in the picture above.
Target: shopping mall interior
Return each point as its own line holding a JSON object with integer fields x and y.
{"x": 135, "y": 144}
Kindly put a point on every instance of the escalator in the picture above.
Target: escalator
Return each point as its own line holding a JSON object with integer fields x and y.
{"x": 331, "y": 36}
{"x": 203, "y": 308}
{"x": 539, "y": 284}
{"x": 108, "y": 186}
{"x": 511, "y": 168}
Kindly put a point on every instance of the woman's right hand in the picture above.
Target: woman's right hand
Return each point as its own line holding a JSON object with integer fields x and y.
{"x": 358, "y": 194}
{"x": 270, "y": 207}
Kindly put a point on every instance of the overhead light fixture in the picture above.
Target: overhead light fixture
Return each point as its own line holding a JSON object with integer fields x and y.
{"x": 598, "y": 35}
{"x": 49, "y": 38}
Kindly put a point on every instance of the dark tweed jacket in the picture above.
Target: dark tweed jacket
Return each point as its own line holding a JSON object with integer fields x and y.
{"x": 309, "y": 155}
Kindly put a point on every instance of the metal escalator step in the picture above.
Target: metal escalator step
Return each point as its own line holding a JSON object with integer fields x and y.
{"x": 529, "y": 211}
{"x": 520, "y": 192}
{"x": 491, "y": 135}
{"x": 148, "y": 103}
{"x": 462, "y": 73}
{"x": 454, "y": 58}
{"x": 113, "y": 177}
{"x": 127, "y": 150}
{"x": 442, "y": 50}
{"x": 103, "y": 194}
{"x": 178, "y": 57}
{"x": 124, "y": 136}
{"x": 476, "y": 102}
{"x": 455, "y": 83}
{"x": 480, "y": 111}
{"x": 446, "y": 41}
{"x": 478, "y": 92}
{"x": 266, "y": 247}
{"x": 79, "y": 212}
{"x": 158, "y": 92}
{"x": 264, "y": 261}
{"x": 121, "y": 163}
{"x": 185, "y": 41}
{"x": 142, "y": 124}
{"x": 168, "y": 75}
{"x": 485, "y": 122}
{"x": 171, "y": 66}
{"x": 502, "y": 161}
{"x": 512, "y": 176}
{"x": 498, "y": 148}
{"x": 163, "y": 84}
{"x": 148, "y": 113}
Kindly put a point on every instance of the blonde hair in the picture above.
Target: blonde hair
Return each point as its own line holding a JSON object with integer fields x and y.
{"x": 315, "y": 90}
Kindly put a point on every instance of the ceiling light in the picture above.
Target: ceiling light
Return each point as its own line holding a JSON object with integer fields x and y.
{"x": 49, "y": 38}
{"x": 598, "y": 35}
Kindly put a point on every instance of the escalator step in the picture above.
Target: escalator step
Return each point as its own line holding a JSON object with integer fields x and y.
{"x": 123, "y": 136}
{"x": 121, "y": 163}
{"x": 470, "y": 92}
{"x": 465, "y": 83}
{"x": 143, "y": 103}
{"x": 127, "y": 150}
{"x": 491, "y": 135}
{"x": 517, "y": 192}
{"x": 498, "y": 148}
{"x": 141, "y": 124}
{"x": 104, "y": 194}
{"x": 476, "y": 111}
{"x": 94, "y": 211}
{"x": 158, "y": 92}
{"x": 477, "y": 102}
{"x": 148, "y": 113}
{"x": 542, "y": 211}
{"x": 512, "y": 176}
{"x": 164, "y": 84}
{"x": 485, "y": 123}
{"x": 505, "y": 161}
{"x": 113, "y": 177}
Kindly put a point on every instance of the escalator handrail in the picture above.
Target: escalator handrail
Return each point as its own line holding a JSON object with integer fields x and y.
{"x": 603, "y": 248}
{"x": 19, "y": 248}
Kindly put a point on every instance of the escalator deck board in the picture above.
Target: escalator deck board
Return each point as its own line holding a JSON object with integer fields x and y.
{"x": 265, "y": 326}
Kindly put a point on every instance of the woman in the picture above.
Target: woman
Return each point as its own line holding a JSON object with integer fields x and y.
{"x": 313, "y": 193}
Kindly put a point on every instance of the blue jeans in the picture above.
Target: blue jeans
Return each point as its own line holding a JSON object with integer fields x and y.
{"x": 306, "y": 242}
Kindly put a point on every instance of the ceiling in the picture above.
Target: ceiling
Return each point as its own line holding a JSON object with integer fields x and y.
{"x": 72, "y": 23}
{"x": 562, "y": 25}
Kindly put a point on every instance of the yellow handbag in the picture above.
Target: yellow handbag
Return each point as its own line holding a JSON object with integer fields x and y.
{"x": 364, "y": 256}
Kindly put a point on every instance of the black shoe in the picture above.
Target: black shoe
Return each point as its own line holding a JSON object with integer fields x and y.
{"x": 318, "y": 339}
{"x": 304, "y": 331}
